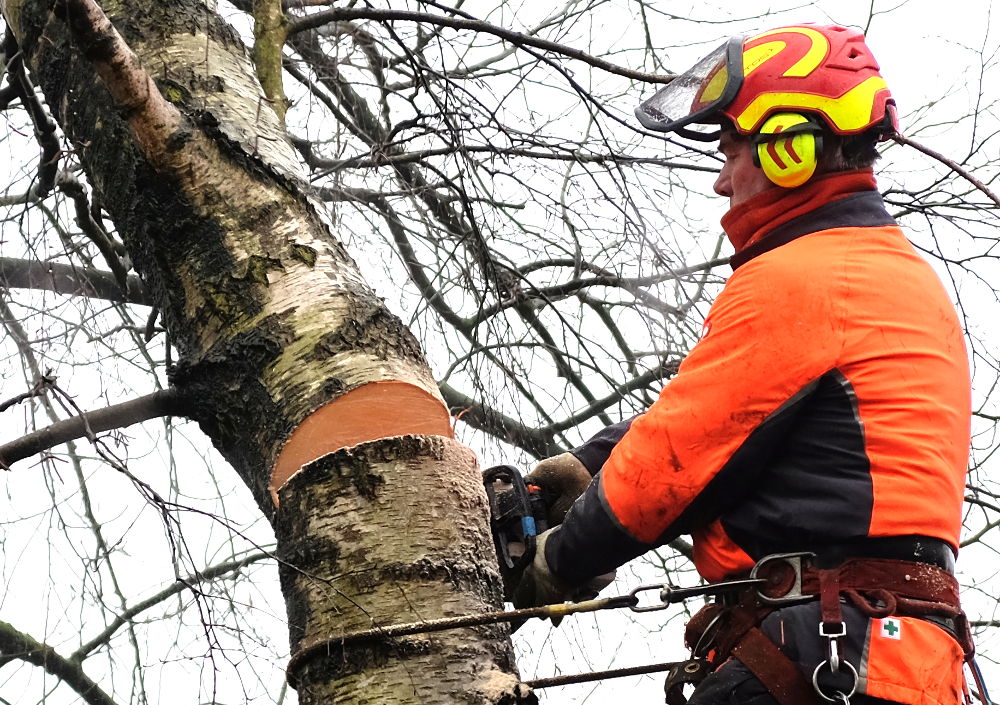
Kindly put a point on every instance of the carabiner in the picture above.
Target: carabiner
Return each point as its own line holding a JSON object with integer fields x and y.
{"x": 648, "y": 608}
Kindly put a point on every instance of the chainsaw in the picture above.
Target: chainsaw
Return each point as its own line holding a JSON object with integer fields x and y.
{"x": 517, "y": 517}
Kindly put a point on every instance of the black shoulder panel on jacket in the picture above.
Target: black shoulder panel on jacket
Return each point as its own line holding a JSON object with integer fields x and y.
{"x": 594, "y": 452}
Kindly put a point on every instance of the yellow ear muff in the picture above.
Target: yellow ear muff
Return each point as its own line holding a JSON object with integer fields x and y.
{"x": 787, "y": 148}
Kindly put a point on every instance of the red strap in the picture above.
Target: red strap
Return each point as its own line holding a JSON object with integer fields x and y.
{"x": 829, "y": 598}
{"x": 782, "y": 678}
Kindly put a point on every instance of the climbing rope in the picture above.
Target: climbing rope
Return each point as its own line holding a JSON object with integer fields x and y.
{"x": 668, "y": 595}
{"x": 392, "y": 631}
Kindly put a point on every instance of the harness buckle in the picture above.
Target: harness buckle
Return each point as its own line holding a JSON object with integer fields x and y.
{"x": 833, "y": 631}
{"x": 767, "y": 564}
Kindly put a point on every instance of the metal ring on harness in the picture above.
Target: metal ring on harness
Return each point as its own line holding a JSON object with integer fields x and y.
{"x": 707, "y": 638}
{"x": 819, "y": 688}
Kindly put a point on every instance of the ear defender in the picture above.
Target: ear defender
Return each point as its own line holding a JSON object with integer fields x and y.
{"x": 787, "y": 148}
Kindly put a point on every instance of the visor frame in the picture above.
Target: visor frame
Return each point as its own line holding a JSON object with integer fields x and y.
{"x": 734, "y": 81}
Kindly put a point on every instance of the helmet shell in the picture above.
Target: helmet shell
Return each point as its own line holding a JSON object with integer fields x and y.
{"x": 826, "y": 70}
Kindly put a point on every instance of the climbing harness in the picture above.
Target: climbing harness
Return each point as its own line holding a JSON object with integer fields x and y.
{"x": 877, "y": 587}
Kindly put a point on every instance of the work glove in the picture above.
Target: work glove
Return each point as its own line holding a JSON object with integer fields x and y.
{"x": 539, "y": 585}
{"x": 562, "y": 478}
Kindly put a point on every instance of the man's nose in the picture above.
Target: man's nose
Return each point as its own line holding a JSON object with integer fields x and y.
{"x": 723, "y": 184}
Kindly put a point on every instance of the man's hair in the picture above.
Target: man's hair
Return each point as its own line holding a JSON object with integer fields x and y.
{"x": 840, "y": 152}
{"x": 849, "y": 152}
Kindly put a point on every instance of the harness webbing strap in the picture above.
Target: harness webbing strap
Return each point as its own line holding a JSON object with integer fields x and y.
{"x": 774, "y": 669}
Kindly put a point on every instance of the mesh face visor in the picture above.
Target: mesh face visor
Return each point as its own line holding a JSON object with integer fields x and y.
{"x": 689, "y": 105}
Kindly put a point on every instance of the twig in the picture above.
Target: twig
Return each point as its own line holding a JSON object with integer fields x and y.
{"x": 43, "y": 384}
{"x": 180, "y": 585}
{"x": 951, "y": 164}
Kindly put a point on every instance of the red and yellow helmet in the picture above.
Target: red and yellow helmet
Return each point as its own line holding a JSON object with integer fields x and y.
{"x": 827, "y": 71}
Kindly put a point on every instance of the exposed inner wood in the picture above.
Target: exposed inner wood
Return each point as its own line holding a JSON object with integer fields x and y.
{"x": 372, "y": 411}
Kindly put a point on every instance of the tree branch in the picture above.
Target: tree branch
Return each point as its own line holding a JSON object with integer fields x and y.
{"x": 69, "y": 280}
{"x": 498, "y": 425}
{"x": 70, "y": 186}
{"x": 667, "y": 369}
{"x": 319, "y": 19}
{"x": 156, "y": 125}
{"x": 15, "y": 644}
{"x": 163, "y": 403}
{"x": 383, "y": 159}
{"x": 45, "y": 126}
{"x": 951, "y": 164}
{"x": 40, "y": 387}
{"x": 182, "y": 584}
{"x": 270, "y": 29}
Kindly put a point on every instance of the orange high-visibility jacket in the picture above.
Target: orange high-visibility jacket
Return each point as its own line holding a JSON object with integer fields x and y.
{"x": 827, "y": 401}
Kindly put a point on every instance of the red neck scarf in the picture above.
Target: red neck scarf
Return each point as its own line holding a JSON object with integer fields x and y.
{"x": 751, "y": 220}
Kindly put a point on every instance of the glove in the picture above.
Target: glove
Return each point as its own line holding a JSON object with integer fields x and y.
{"x": 539, "y": 585}
{"x": 562, "y": 478}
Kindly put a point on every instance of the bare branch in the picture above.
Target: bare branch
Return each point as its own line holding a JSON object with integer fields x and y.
{"x": 319, "y": 19}
{"x": 497, "y": 424}
{"x": 40, "y": 387}
{"x": 381, "y": 159}
{"x": 72, "y": 187}
{"x": 187, "y": 583}
{"x": 270, "y": 28}
{"x": 155, "y": 123}
{"x": 951, "y": 164}
{"x": 15, "y": 644}
{"x": 45, "y": 126}
{"x": 69, "y": 280}
{"x": 168, "y": 402}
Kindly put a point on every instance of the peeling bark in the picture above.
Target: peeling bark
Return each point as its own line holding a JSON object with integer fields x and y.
{"x": 371, "y": 552}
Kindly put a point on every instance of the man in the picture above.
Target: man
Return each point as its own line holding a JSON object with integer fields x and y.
{"x": 825, "y": 410}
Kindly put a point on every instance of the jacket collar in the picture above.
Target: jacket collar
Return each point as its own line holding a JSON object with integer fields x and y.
{"x": 777, "y": 216}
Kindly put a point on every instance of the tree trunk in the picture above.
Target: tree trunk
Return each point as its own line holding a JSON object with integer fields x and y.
{"x": 282, "y": 344}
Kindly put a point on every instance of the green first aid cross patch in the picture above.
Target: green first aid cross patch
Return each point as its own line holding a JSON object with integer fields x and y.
{"x": 891, "y": 628}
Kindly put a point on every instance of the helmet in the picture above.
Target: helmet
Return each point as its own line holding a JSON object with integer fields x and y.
{"x": 822, "y": 71}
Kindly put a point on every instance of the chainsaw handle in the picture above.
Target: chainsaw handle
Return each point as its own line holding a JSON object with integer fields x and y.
{"x": 517, "y": 515}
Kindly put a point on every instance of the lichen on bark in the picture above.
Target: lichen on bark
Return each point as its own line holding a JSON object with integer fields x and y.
{"x": 270, "y": 30}
{"x": 401, "y": 555}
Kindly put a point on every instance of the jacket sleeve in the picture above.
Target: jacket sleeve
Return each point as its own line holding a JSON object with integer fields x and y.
{"x": 771, "y": 333}
{"x": 594, "y": 452}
